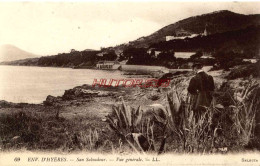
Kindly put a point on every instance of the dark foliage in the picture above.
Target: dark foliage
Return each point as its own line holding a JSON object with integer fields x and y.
{"x": 245, "y": 71}
{"x": 74, "y": 58}
{"x": 137, "y": 56}
{"x": 196, "y": 56}
{"x": 109, "y": 55}
{"x": 216, "y": 22}
{"x": 237, "y": 41}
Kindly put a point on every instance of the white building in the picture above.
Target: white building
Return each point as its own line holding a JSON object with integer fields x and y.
{"x": 206, "y": 57}
{"x": 184, "y": 55}
{"x": 108, "y": 65}
{"x": 168, "y": 38}
{"x": 250, "y": 60}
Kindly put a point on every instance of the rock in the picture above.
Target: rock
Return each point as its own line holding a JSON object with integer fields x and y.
{"x": 68, "y": 94}
{"x": 50, "y": 100}
{"x": 79, "y": 93}
{"x": 91, "y": 93}
{"x": 104, "y": 93}
{"x": 85, "y": 93}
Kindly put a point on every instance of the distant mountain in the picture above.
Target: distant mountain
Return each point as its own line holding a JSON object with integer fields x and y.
{"x": 12, "y": 53}
{"x": 215, "y": 22}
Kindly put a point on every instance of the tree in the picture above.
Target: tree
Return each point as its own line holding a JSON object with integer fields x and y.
{"x": 72, "y": 50}
{"x": 110, "y": 55}
{"x": 166, "y": 56}
{"x": 137, "y": 56}
{"x": 196, "y": 56}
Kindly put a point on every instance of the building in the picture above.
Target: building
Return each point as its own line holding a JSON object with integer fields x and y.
{"x": 250, "y": 60}
{"x": 108, "y": 65}
{"x": 184, "y": 55}
{"x": 205, "y": 33}
{"x": 168, "y": 38}
{"x": 206, "y": 57}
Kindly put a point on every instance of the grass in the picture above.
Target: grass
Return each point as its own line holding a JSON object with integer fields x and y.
{"x": 44, "y": 131}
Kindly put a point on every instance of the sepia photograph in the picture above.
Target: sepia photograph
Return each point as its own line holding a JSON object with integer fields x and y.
{"x": 129, "y": 82}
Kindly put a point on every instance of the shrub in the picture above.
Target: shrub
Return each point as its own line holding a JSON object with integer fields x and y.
{"x": 222, "y": 127}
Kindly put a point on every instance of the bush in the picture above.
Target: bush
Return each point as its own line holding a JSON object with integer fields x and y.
{"x": 244, "y": 71}
{"x": 223, "y": 127}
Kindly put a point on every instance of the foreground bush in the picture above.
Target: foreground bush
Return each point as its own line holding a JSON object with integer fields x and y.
{"x": 226, "y": 125}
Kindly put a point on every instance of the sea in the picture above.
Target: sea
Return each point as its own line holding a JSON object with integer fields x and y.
{"x": 30, "y": 84}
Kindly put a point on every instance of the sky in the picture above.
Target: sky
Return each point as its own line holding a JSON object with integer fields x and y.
{"x": 48, "y": 28}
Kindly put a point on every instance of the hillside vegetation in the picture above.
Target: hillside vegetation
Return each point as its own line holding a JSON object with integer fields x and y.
{"x": 216, "y": 22}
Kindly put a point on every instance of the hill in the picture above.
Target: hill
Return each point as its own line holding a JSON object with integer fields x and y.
{"x": 241, "y": 41}
{"x": 215, "y": 22}
{"x": 12, "y": 53}
{"x": 227, "y": 32}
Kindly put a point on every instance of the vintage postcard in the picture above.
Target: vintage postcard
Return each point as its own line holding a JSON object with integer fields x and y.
{"x": 129, "y": 82}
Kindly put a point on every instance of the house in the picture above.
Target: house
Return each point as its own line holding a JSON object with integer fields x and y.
{"x": 184, "y": 55}
{"x": 108, "y": 65}
{"x": 206, "y": 57}
{"x": 168, "y": 38}
{"x": 250, "y": 60}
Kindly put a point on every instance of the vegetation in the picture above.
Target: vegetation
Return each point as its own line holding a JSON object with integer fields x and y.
{"x": 74, "y": 58}
{"x": 245, "y": 70}
{"x": 216, "y": 22}
{"x": 238, "y": 41}
{"x": 46, "y": 131}
{"x": 137, "y": 56}
{"x": 219, "y": 129}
